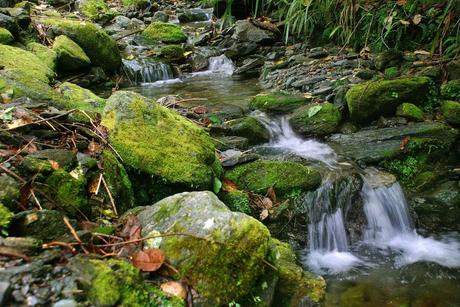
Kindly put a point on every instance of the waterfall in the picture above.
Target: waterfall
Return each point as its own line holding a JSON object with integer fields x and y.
{"x": 221, "y": 64}
{"x": 389, "y": 226}
{"x": 146, "y": 71}
{"x": 283, "y": 137}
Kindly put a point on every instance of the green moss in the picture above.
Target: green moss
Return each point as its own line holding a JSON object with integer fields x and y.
{"x": 451, "y": 90}
{"x": 5, "y": 219}
{"x": 221, "y": 272}
{"x": 237, "y": 201}
{"x": 172, "y": 53}
{"x": 164, "y": 32}
{"x": 70, "y": 56}
{"x": 283, "y": 176}
{"x": 316, "y": 119}
{"x": 68, "y": 192}
{"x": 136, "y": 3}
{"x": 45, "y": 54}
{"x": 159, "y": 142}
{"x": 410, "y": 111}
{"x": 80, "y": 98}
{"x": 276, "y": 102}
{"x": 391, "y": 72}
{"x": 451, "y": 111}
{"x": 118, "y": 181}
{"x": 294, "y": 283}
{"x": 249, "y": 128}
{"x": 97, "y": 10}
{"x": 97, "y": 44}
{"x": 370, "y": 100}
{"x": 6, "y": 37}
{"x": 9, "y": 192}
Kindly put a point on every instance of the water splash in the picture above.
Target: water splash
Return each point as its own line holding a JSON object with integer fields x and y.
{"x": 389, "y": 227}
{"x": 219, "y": 66}
{"x": 141, "y": 71}
{"x": 282, "y": 136}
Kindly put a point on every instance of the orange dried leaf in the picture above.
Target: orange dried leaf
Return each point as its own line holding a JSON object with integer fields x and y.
{"x": 271, "y": 194}
{"x": 228, "y": 185}
{"x": 200, "y": 110}
{"x": 54, "y": 164}
{"x": 149, "y": 260}
{"x": 401, "y": 2}
{"x": 404, "y": 143}
{"x": 174, "y": 288}
{"x": 263, "y": 214}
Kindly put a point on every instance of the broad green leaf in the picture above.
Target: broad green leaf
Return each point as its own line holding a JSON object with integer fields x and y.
{"x": 313, "y": 110}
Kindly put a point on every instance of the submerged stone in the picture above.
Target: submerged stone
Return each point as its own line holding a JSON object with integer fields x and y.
{"x": 97, "y": 44}
{"x": 157, "y": 141}
{"x": 316, "y": 119}
{"x": 164, "y": 32}
{"x": 284, "y": 176}
{"x": 221, "y": 253}
{"x": 276, "y": 102}
{"x": 368, "y": 101}
{"x": 70, "y": 56}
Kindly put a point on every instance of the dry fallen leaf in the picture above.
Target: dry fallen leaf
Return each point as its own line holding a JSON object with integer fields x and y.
{"x": 200, "y": 110}
{"x": 54, "y": 164}
{"x": 271, "y": 194}
{"x": 417, "y": 19}
{"x": 263, "y": 214}
{"x": 148, "y": 260}
{"x": 228, "y": 185}
{"x": 404, "y": 143}
{"x": 401, "y": 2}
{"x": 174, "y": 288}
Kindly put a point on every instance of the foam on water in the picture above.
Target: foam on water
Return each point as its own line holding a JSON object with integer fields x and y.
{"x": 331, "y": 262}
{"x": 218, "y": 66}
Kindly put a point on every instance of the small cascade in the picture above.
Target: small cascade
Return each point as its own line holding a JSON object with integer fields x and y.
{"x": 221, "y": 64}
{"x": 328, "y": 251}
{"x": 389, "y": 226}
{"x": 146, "y": 71}
{"x": 283, "y": 137}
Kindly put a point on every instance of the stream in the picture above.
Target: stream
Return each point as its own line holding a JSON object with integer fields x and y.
{"x": 393, "y": 264}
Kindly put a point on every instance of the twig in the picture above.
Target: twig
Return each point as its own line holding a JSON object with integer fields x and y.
{"x": 10, "y": 252}
{"x": 98, "y": 184}
{"x": 74, "y": 234}
{"x": 9, "y": 172}
{"x": 18, "y": 152}
{"x": 60, "y": 244}
{"x": 44, "y": 120}
{"x": 110, "y": 195}
{"x": 129, "y": 34}
{"x": 36, "y": 199}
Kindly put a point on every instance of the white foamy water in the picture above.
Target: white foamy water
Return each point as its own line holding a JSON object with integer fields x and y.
{"x": 389, "y": 226}
{"x": 282, "y": 136}
{"x": 218, "y": 66}
{"x": 141, "y": 71}
{"x": 331, "y": 262}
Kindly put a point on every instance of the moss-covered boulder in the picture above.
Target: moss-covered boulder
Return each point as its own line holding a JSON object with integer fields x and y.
{"x": 70, "y": 56}
{"x": 80, "y": 98}
{"x": 451, "y": 90}
{"x": 172, "y": 53}
{"x": 388, "y": 58}
{"x": 276, "y": 102}
{"x": 96, "y": 10}
{"x": 221, "y": 253}
{"x": 9, "y": 192}
{"x": 25, "y": 74}
{"x": 451, "y": 111}
{"x": 237, "y": 201}
{"x": 249, "y": 128}
{"x": 157, "y": 141}
{"x": 5, "y": 219}
{"x": 368, "y": 101}
{"x": 45, "y": 54}
{"x": 97, "y": 44}
{"x": 295, "y": 286}
{"x": 316, "y": 119}
{"x": 410, "y": 111}
{"x": 115, "y": 283}
{"x": 6, "y": 37}
{"x": 284, "y": 176}
{"x": 164, "y": 32}
{"x": 118, "y": 182}
{"x": 46, "y": 225}
{"x": 136, "y": 3}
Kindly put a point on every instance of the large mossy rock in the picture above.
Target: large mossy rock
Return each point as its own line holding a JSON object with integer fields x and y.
{"x": 368, "y": 101}
{"x": 410, "y": 111}
{"x": 97, "y": 44}
{"x": 115, "y": 283}
{"x": 45, "y": 54}
{"x": 46, "y": 225}
{"x": 25, "y": 74}
{"x": 451, "y": 111}
{"x": 276, "y": 102}
{"x": 157, "y": 141}
{"x": 96, "y": 10}
{"x": 70, "y": 56}
{"x": 164, "y": 32}
{"x": 316, "y": 119}
{"x": 284, "y": 176}
{"x": 296, "y": 287}
{"x": 221, "y": 253}
{"x": 451, "y": 90}
{"x": 6, "y": 37}
{"x": 374, "y": 145}
{"x": 80, "y": 98}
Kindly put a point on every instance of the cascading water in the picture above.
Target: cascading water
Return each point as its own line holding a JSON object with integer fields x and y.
{"x": 218, "y": 65}
{"x": 141, "y": 71}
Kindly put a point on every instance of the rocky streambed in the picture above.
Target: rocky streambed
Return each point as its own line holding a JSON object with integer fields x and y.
{"x": 259, "y": 172}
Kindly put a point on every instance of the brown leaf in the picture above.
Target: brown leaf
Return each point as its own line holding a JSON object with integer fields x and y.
{"x": 174, "y": 288}
{"x": 263, "y": 214}
{"x": 54, "y": 164}
{"x": 401, "y": 2}
{"x": 271, "y": 194}
{"x": 132, "y": 229}
{"x": 149, "y": 260}
{"x": 200, "y": 110}
{"x": 94, "y": 185}
{"x": 404, "y": 143}
{"x": 228, "y": 185}
{"x": 4, "y": 153}
{"x": 94, "y": 147}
